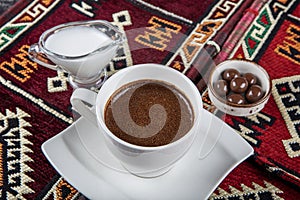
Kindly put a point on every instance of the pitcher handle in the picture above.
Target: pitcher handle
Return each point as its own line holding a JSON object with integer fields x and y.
{"x": 37, "y": 56}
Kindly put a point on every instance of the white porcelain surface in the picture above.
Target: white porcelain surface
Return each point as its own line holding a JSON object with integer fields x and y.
{"x": 140, "y": 160}
{"x": 102, "y": 176}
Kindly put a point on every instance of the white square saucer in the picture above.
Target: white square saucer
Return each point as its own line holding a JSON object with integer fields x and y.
{"x": 72, "y": 154}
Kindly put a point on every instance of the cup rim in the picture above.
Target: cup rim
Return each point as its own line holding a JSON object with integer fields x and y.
{"x": 249, "y": 105}
{"x": 152, "y": 148}
{"x": 42, "y": 39}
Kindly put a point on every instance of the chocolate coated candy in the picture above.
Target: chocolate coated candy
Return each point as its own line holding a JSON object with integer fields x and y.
{"x": 229, "y": 74}
{"x": 254, "y": 93}
{"x": 239, "y": 84}
{"x": 221, "y": 87}
{"x": 251, "y": 78}
{"x": 236, "y": 98}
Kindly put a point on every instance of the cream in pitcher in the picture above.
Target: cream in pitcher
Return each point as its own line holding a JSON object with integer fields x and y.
{"x": 67, "y": 41}
{"x": 83, "y": 49}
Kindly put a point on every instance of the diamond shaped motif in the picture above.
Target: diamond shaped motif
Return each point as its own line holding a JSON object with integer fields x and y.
{"x": 58, "y": 83}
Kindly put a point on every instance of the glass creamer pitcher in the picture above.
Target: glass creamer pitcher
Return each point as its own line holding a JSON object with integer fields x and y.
{"x": 82, "y": 49}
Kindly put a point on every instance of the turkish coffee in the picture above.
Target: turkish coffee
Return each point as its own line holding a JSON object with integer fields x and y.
{"x": 149, "y": 113}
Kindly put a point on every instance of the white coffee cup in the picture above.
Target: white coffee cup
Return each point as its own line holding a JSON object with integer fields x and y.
{"x": 140, "y": 160}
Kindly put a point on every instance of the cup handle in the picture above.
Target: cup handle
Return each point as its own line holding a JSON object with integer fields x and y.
{"x": 37, "y": 56}
{"x": 81, "y": 95}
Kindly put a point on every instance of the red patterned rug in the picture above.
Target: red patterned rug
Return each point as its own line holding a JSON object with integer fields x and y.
{"x": 35, "y": 101}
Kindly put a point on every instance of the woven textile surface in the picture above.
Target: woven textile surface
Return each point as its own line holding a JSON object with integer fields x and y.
{"x": 35, "y": 102}
{"x": 4, "y": 5}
